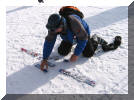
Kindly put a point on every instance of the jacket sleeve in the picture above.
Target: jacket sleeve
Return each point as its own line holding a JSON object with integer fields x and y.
{"x": 48, "y": 45}
{"x": 77, "y": 28}
{"x": 81, "y": 35}
{"x": 80, "y": 47}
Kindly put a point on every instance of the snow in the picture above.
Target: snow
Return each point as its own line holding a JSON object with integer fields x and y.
{"x": 70, "y": 2}
{"x": 26, "y": 28}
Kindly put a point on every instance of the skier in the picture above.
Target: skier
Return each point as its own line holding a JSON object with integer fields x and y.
{"x": 73, "y": 29}
{"x": 40, "y": 1}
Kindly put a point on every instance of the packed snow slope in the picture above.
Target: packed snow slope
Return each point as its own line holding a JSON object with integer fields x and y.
{"x": 26, "y": 28}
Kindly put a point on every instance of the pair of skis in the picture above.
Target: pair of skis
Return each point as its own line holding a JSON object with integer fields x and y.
{"x": 62, "y": 71}
{"x": 37, "y": 55}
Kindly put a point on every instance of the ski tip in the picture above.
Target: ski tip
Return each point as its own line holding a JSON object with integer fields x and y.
{"x": 92, "y": 83}
{"x": 22, "y": 49}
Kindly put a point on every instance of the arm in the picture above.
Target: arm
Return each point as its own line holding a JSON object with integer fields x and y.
{"x": 80, "y": 47}
{"x": 80, "y": 31}
{"x": 48, "y": 45}
{"x": 79, "y": 27}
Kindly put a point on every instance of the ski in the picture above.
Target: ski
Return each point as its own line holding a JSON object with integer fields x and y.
{"x": 78, "y": 78}
{"x": 37, "y": 55}
{"x": 38, "y": 66}
{"x": 31, "y": 53}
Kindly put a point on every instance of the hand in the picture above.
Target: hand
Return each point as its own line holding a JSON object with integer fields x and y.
{"x": 43, "y": 63}
{"x": 73, "y": 58}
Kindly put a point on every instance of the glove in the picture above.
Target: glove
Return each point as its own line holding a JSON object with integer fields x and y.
{"x": 44, "y": 63}
{"x": 73, "y": 58}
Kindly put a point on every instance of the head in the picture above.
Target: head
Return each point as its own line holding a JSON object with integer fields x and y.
{"x": 55, "y": 23}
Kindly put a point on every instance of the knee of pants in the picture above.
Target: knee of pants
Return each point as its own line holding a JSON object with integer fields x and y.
{"x": 64, "y": 48}
{"x": 90, "y": 49}
{"x": 88, "y": 54}
{"x": 94, "y": 44}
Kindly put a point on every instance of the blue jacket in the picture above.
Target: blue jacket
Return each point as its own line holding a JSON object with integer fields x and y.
{"x": 48, "y": 45}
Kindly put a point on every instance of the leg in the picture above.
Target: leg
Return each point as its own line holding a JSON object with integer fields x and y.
{"x": 112, "y": 46}
{"x": 90, "y": 48}
{"x": 105, "y": 45}
{"x": 64, "y": 48}
{"x": 99, "y": 39}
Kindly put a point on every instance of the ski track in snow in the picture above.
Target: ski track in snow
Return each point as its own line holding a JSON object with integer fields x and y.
{"x": 26, "y": 28}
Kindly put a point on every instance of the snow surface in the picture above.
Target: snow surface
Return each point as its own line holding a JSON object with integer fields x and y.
{"x": 26, "y": 28}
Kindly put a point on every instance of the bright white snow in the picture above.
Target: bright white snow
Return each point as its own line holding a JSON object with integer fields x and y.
{"x": 26, "y": 28}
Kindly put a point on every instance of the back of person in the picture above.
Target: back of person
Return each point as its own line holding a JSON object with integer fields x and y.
{"x": 72, "y": 34}
{"x": 67, "y": 11}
